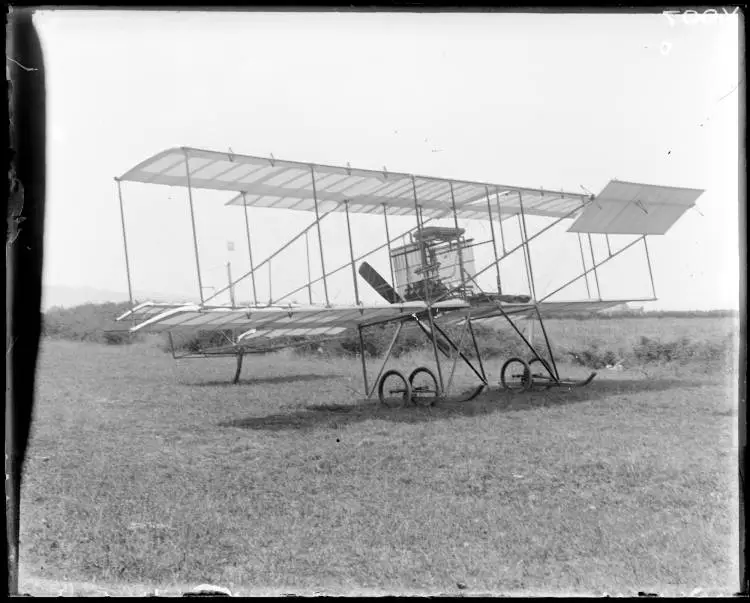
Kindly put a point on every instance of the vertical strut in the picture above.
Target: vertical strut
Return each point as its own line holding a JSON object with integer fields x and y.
{"x": 546, "y": 340}
{"x": 351, "y": 252}
{"x": 500, "y": 221}
{"x": 192, "y": 220}
{"x": 650, "y": 273}
{"x": 250, "y": 250}
{"x": 458, "y": 242}
{"x": 525, "y": 236}
{"x": 125, "y": 242}
{"x": 270, "y": 279}
{"x": 433, "y": 337}
{"x": 320, "y": 240}
{"x": 494, "y": 243}
{"x": 593, "y": 261}
{"x": 231, "y": 284}
{"x": 387, "y": 356}
{"x": 583, "y": 261}
{"x": 422, "y": 251}
{"x": 476, "y": 349}
{"x": 458, "y": 355}
{"x": 309, "y": 274}
{"x": 364, "y": 361}
{"x": 388, "y": 240}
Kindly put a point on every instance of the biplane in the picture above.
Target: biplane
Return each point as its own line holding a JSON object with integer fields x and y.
{"x": 442, "y": 279}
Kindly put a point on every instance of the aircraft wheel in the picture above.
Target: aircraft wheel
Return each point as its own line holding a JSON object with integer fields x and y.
{"x": 543, "y": 378}
{"x": 516, "y": 375}
{"x": 424, "y": 386}
{"x": 394, "y": 390}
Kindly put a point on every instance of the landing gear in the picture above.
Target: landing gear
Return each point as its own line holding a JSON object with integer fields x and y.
{"x": 236, "y": 379}
{"x": 424, "y": 386}
{"x": 516, "y": 375}
{"x": 543, "y": 377}
{"x": 394, "y": 390}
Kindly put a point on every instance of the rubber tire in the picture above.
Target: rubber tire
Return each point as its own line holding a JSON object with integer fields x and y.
{"x": 414, "y": 398}
{"x": 527, "y": 372}
{"x": 407, "y": 396}
{"x": 545, "y": 384}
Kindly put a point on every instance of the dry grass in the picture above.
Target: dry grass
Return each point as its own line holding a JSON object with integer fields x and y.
{"x": 146, "y": 473}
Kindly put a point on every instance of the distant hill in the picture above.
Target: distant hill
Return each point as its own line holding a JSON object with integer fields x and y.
{"x": 67, "y": 297}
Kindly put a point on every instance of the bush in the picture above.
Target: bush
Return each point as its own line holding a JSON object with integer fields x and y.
{"x": 683, "y": 350}
{"x": 194, "y": 343}
{"x": 595, "y": 357}
{"x": 88, "y": 322}
{"x": 117, "y": 338}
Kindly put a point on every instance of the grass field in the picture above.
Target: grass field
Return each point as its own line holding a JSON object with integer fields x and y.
{"x": 147, "y": 473}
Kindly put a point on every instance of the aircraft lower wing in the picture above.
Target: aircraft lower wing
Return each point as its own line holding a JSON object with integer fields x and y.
{"x": 489, "y": 309}
{"x": 191, "y": 317}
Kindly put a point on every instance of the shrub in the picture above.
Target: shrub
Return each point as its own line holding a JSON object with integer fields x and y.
{"x": 195, "y": 342}
{"x": 88, "y": 322}
{"x": 683, "y": 350}
{"x": 594, "y": 357}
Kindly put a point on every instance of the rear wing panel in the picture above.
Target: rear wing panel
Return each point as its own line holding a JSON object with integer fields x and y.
{"x": 635, "y": 209}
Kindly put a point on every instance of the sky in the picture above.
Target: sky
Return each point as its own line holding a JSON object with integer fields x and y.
{"x": 536, "y": 100}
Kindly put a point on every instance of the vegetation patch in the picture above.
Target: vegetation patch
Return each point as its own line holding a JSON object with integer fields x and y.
{"x": 89, "y": 322}
{"x": 591, "y": 341}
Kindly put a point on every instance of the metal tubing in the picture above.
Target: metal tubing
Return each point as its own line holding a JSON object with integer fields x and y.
{"x": 516, "y": 248}
{"x": 421, "y": 240}
{"x": 277, "y": 252}
{"x": 478, "y": 244}
{"x": 270, "y": 282}
{"x": 476, "y": 350}
{"x": 364, "y": 361}
{"x": 388, "y": 239}
{"x": 427, "y": 331}
{"x": 455, "y": 360}
{"x": 435, "y": 351}
{"x": 458, "y": 242}
{"x": 500, "y": 220}
{"x": 351, "y": 253}
{"x": 494, "y": 243}
{"x": 237, "y": 373}
{"x": 250, "y": 250}
{"x": 593, "y": 261}
{"x": 609, "y": 249}
{"x": 340, "y": 268}
{"x": 309, "y": 274}
{"x": 512, "y": 324}
{"x": 231, "y": 287}
{"x": 171, "y": 344}
{"x": 125, "y": 242}
{"x": 406, "y": 317}
{"x": 195, "y": 236}
{"x": 650, "y": 273}
{"x": 525, "y": 236}
{"x": 320, "y": 239}
{"x": 387, "y": 357}
{"x": 573, "y": 280}
{"x": 460, "y": 353}
{"x": 583, "y": 261}
{"x": 546, "y": 340}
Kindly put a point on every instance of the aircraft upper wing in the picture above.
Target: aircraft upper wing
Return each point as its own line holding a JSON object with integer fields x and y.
{"x": 275, "y": 183}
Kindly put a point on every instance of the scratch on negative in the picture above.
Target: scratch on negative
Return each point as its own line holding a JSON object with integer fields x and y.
{"x": 10, "y": 347}
{"x": 22, "y": 66}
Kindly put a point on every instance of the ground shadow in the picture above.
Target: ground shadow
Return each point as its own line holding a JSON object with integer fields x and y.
{"x": 489, "y": 402}
{"x": 265, "y": 380}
